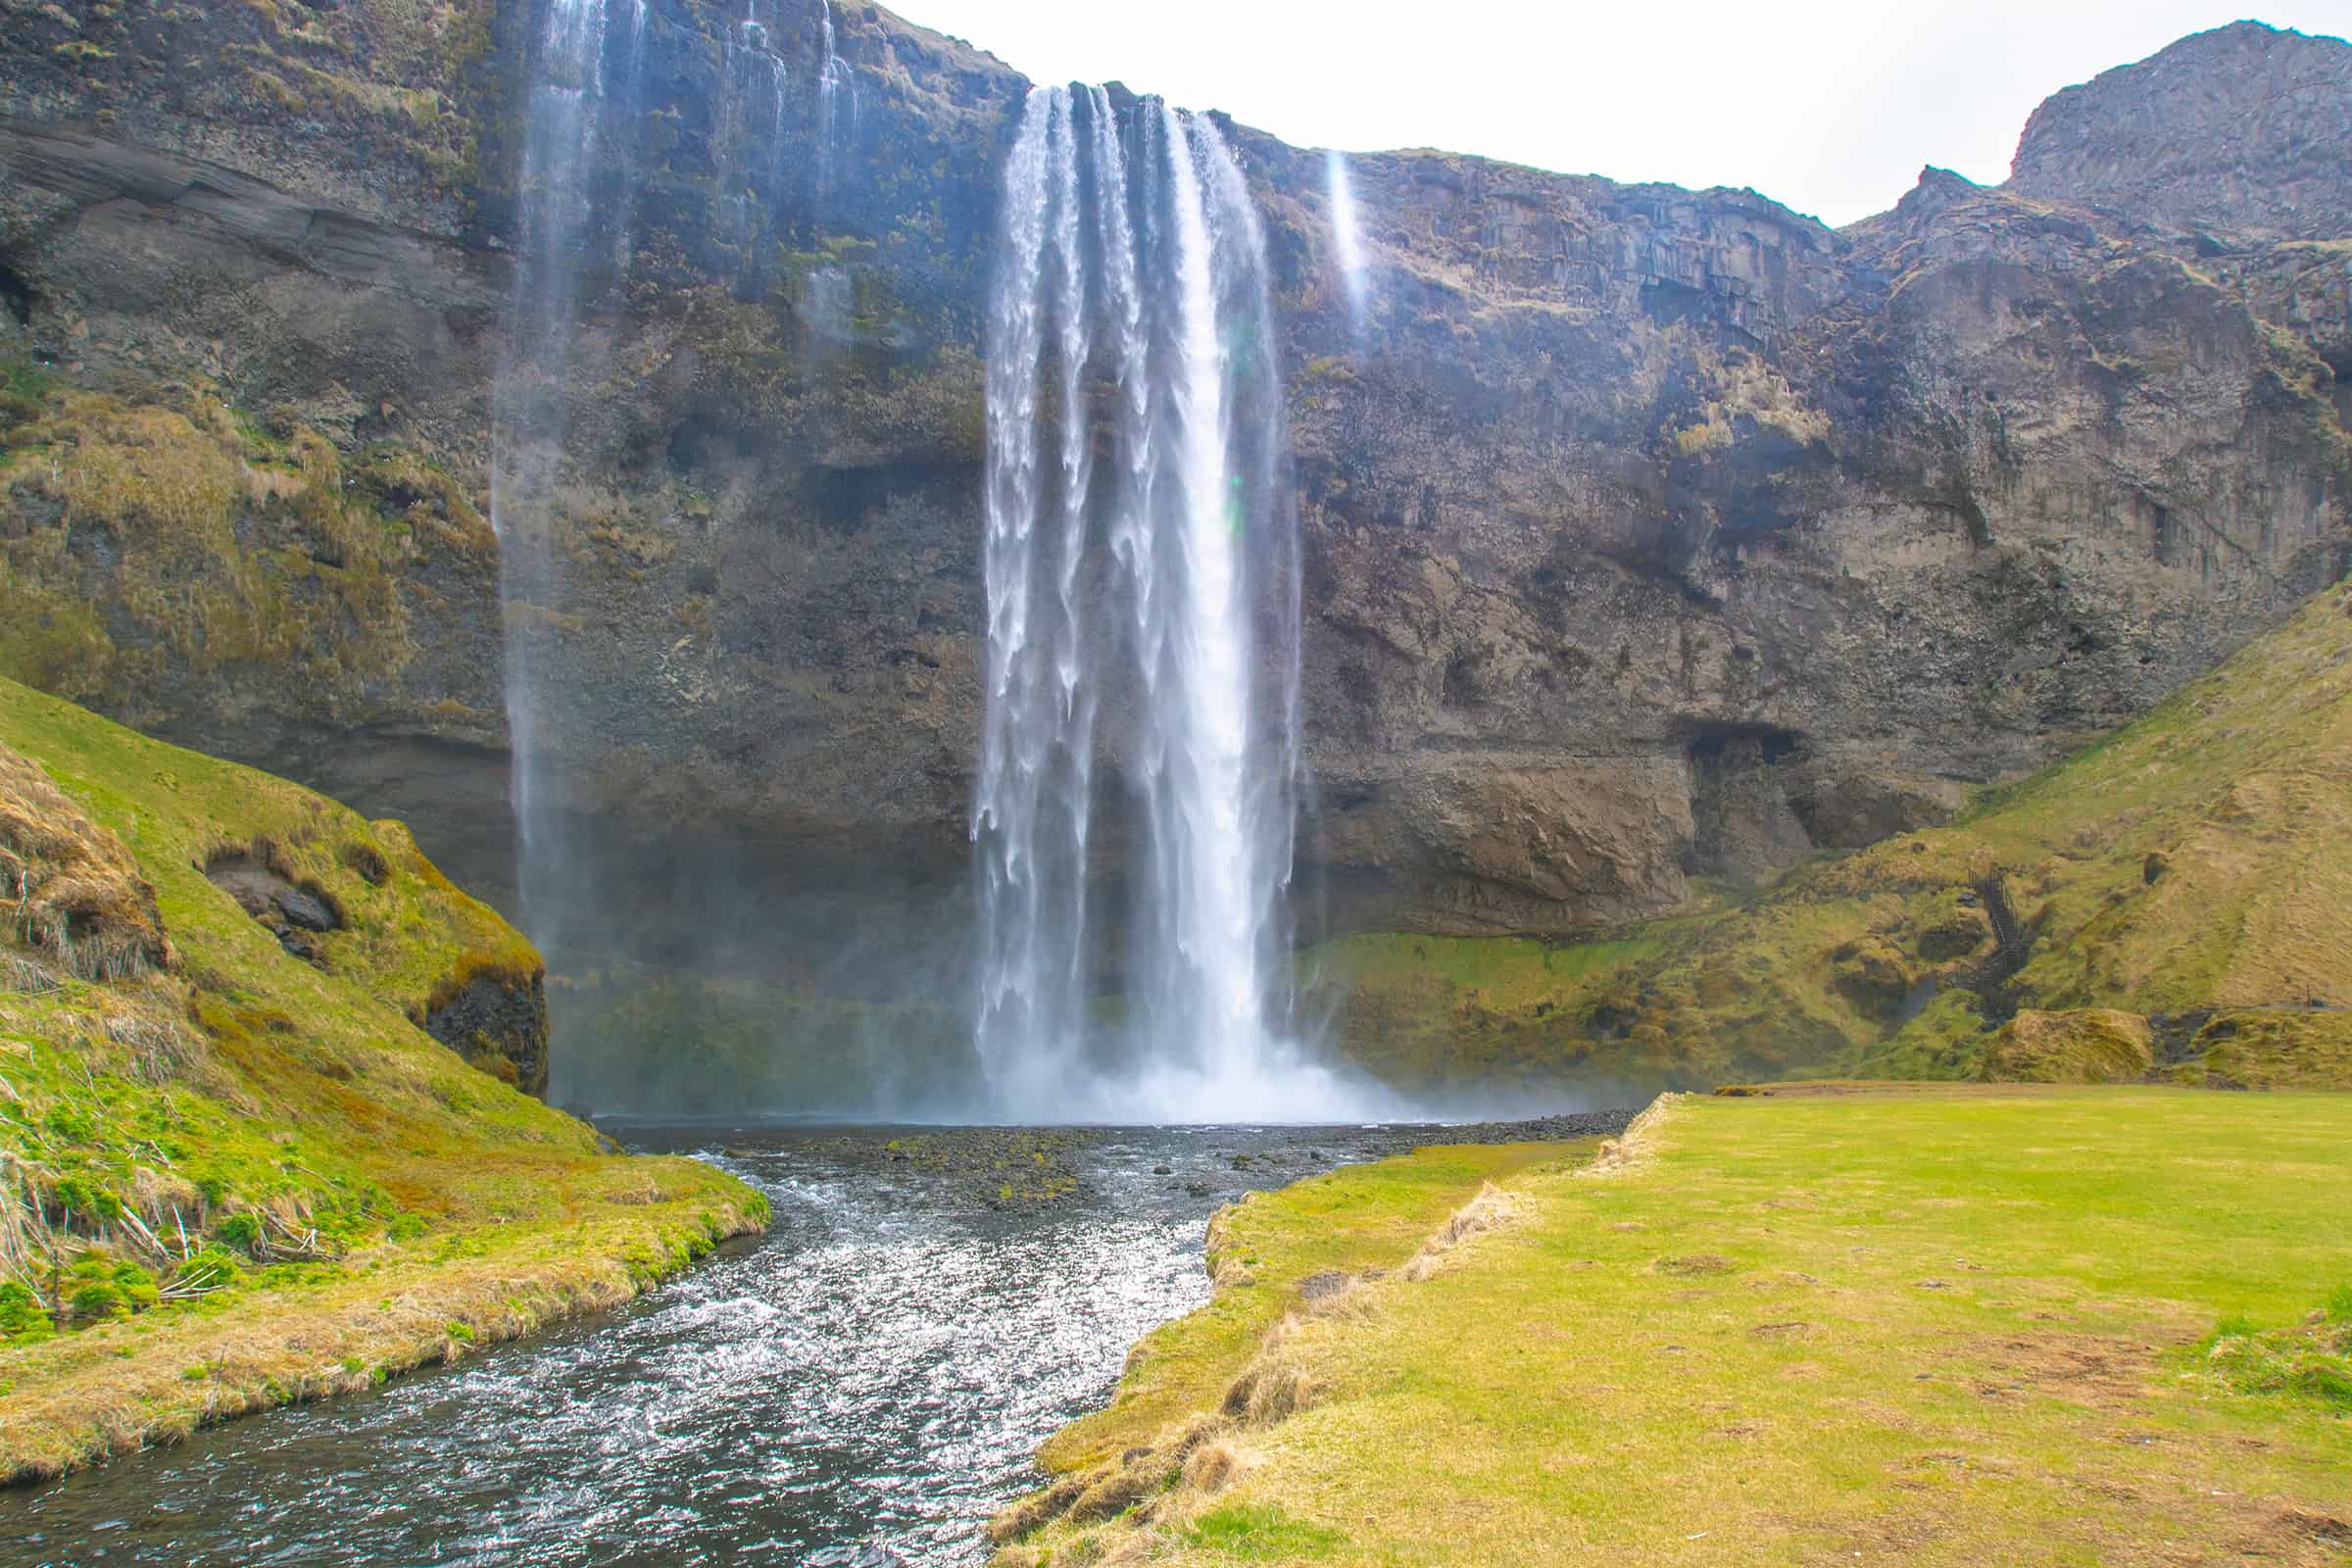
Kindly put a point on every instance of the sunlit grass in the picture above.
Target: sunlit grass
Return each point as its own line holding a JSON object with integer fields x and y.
{"x": 1962, "y": 1328}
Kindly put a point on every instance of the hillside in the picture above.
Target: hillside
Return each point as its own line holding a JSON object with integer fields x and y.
{"x": 2192, "y": 870}
{"x": 241, "y": 1166}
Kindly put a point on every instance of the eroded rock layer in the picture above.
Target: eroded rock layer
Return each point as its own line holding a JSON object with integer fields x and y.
{"x": 1648, "y": 533}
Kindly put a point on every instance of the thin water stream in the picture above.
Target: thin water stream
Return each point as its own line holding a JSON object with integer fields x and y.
{"x": 875, "y": 1372}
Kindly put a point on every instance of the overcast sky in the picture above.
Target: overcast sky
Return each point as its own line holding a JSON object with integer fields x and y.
{"x": 1831, "y": 107}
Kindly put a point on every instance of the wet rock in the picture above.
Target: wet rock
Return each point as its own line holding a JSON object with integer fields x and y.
{"x": 1565, "y": 645}
{"x": 303, "y": 911}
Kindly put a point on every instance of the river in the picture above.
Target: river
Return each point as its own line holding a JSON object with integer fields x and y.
{"x": 875, "y": 1372}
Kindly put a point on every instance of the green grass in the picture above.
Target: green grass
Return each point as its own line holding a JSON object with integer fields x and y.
{"x": 1255, "y": 1532}
{"x": 1910, "y": 1327}
{"x": 1359, "y": 1217}
{"x": 245, "y": 1097}
{"x": 2198, "y": 859}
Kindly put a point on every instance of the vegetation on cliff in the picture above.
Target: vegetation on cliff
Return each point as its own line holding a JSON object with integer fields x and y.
{"x": 156, "y": 537}
{"x": 238, "y": 1170}
{"x": 2193, "y": 872}
{"x": 1793, "y": 1328}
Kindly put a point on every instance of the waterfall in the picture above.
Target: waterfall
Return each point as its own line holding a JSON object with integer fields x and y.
{"x": 584, "y": 51}
{"x": 1146, "y": 608}
{"x": 836, "y": 104}
{"x": 1347, "y": 235}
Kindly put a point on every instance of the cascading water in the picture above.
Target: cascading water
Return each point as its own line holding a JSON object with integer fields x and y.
{"x": 1348, "y": 239}
{"x": 836, "y": 99}
{"x": 1131, "y": 298}
{"x": 599, "y": 73}
{"x": 582, "y": 46}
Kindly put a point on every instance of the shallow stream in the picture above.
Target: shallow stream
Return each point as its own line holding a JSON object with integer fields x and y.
{"x": 873, "y": 1372}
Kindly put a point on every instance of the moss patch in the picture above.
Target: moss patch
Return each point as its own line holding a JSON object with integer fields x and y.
{"x": 149, "y": 538}
{"x": 2087, "y": 1045}
{"x": 255, "y": 1161}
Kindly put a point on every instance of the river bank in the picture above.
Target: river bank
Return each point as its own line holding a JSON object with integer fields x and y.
{"x": 1893, "y": 1327}
{"x": 872, "y": 1375}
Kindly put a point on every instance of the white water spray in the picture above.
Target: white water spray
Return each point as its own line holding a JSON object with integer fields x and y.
{"x": 836, "y": 100}
{"x": 1131, "y": 302}
{"x": 1346, "y": 237}
{"x": 567, "y": 106}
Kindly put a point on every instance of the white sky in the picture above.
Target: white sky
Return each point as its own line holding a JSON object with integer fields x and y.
{"x": 1831, "y": 107}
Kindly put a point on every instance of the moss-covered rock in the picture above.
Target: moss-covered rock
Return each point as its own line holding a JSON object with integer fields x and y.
{"x": 2270, "y": 1049}
{"x": 2087, "y": 1046}
{"x": 206, "y": 1128}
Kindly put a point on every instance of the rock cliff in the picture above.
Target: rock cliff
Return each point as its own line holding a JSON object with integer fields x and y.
{"x": 1650, "y": 533}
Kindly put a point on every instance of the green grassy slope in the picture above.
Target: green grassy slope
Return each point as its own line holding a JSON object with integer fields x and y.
{"x": 1939, "y": 1326}
{"x": 2195, "y": 865}
{"x": 231, "y": 1176}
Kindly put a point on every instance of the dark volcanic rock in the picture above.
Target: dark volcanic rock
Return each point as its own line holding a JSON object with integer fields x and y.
{"x": 303, "y": 911}
{"x": 1647, "y": 533}
{"x": 499, "y": 1023}
{"x": 2241, "y": 130}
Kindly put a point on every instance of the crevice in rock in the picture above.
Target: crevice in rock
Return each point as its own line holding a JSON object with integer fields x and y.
{"x": 16, "y": 296}
{"x": 2012, "y": 945}
{"x": 1744, "y": 827}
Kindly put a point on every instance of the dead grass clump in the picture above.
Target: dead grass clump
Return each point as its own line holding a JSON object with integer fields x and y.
{"x": 1211, "y": 1468}
{"x": 69, "y": 888}
{"x": 1696, "y": 1265}
{"x": 1274, "y": 1388}
{"x": 1131, "y": 1482}
{"x": 1638, "y": 1142}
{"x": 1033, "y": 1513}
{"x": 368, "y": 862}
{"x": 26, "y": 975}
{"x": 1491, "y": 1209}
{"x": 157, "y": 1045}
{"x": 1336, "y": 1294}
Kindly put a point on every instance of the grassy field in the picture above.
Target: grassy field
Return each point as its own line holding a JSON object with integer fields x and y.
{"x": 231, "y": 1175}
{"x": 2198, "y": 860}
{"x": 1361, "y": 1217}
{"x": 2064, "y": 1326}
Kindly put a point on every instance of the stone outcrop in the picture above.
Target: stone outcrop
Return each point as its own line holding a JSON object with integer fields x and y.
{"x": 1648, "y": 533}
{"x": 2234, "y": 135}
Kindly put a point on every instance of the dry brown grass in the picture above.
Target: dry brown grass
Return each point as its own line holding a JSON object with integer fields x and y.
{"x": 69, "y": 888}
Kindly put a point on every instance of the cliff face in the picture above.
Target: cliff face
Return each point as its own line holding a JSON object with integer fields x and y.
{"x": 2236, "y": 134}
{"x": 1648, "y": 533}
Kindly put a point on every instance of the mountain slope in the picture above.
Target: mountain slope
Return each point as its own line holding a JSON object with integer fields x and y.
{"x": 238, "y": 1168}
{"x": 2195, "y": 868}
